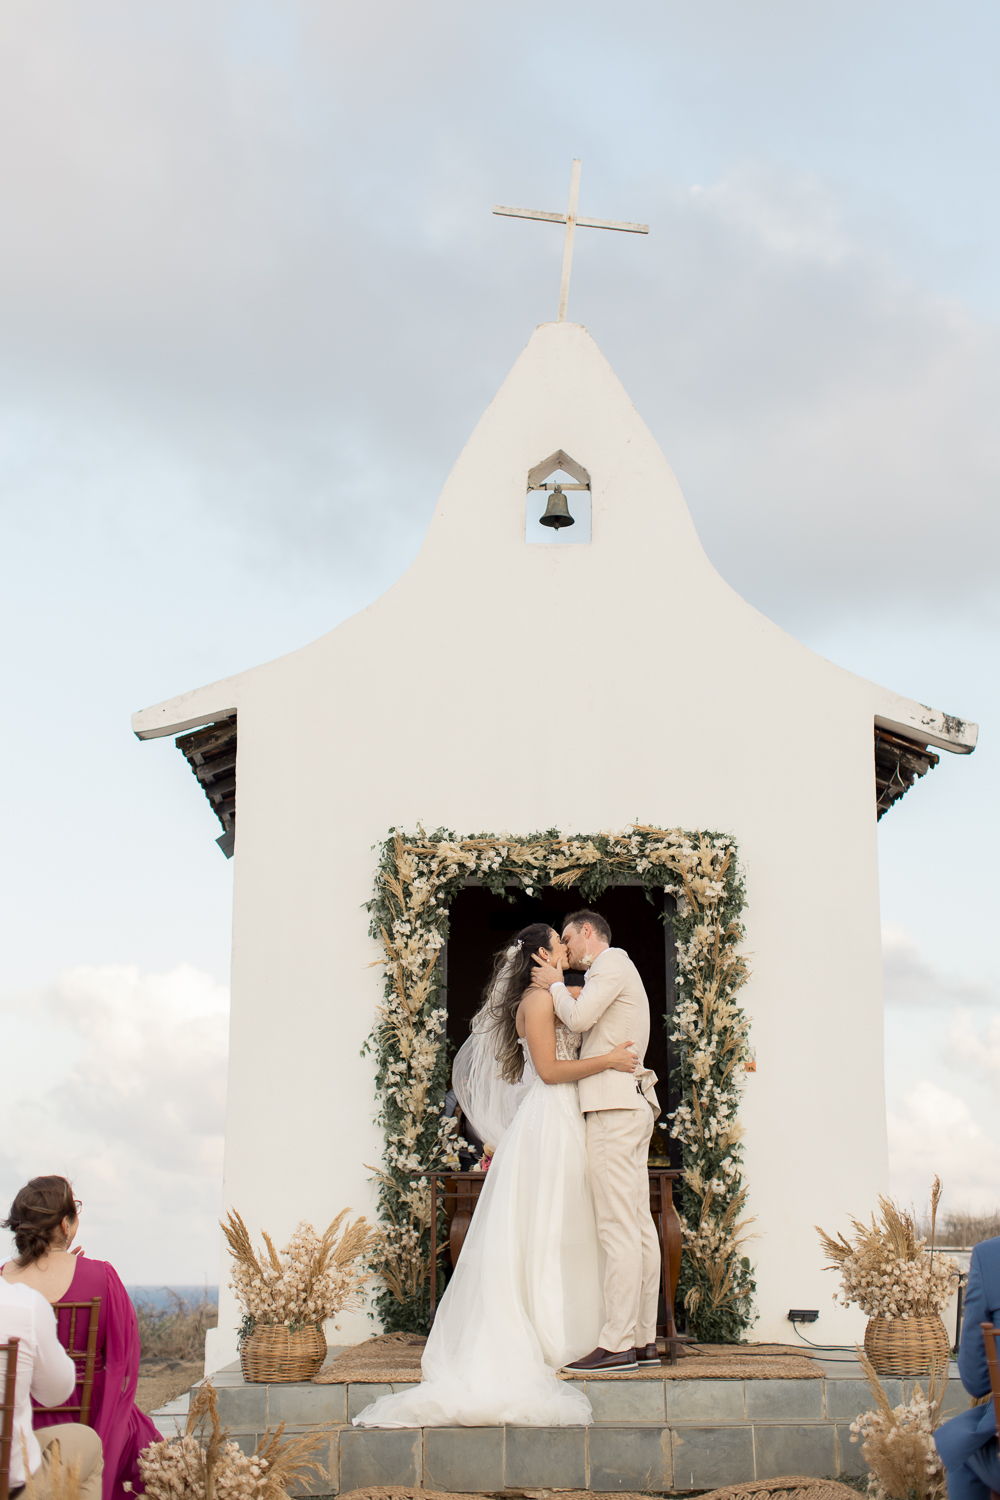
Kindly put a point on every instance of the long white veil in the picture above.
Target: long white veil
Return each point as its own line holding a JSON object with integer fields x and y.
{"x": 485, "y": 1097}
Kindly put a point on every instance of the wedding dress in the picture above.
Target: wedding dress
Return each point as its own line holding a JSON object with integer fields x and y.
{"x": 526, "y": 1295}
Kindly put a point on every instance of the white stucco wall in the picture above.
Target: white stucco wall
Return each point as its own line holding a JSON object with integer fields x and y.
{"x": 707, "y": 715}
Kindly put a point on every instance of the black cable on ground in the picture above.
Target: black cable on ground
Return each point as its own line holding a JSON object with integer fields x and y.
{"x": 841, "y": 1348}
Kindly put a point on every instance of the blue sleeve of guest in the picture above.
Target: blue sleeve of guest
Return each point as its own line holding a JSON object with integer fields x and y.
{"x": 972, "y": 1351}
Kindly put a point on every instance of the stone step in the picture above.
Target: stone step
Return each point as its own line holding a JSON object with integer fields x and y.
{"x": 648, "y": 1435}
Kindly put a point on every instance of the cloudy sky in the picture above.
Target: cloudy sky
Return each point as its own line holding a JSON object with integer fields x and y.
{"x": 252, "y": 303}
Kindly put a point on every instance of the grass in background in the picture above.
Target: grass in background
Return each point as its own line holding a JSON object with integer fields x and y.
{"x": 177, "y": 1331}
{"x": 967, "y": 1230}
{"x": 173, "y": 1346}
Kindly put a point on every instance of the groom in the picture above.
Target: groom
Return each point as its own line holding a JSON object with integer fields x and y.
{"x": 619, "y": 1110}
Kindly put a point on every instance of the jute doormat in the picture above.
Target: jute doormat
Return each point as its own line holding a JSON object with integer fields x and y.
{"x": 400, "y": 1492}
{"x": 795, "y": 1487}
{"x": 394, "y": 1358}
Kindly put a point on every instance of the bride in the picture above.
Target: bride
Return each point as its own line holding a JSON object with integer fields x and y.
{"x": 525, "y": 1297}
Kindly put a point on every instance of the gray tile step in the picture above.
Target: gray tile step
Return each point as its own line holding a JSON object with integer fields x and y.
{"x": 608, "y": 1456}
{"x": 648, "y": 1435}
{"x": 715, "y": 1402}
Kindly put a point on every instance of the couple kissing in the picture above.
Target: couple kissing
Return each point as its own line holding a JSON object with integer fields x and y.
{"x": 560, "y": 1269}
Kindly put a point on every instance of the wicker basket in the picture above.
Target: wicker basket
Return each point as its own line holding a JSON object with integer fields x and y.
{"x": 274, "y": 1354}
{"x": 910, "y": 1347}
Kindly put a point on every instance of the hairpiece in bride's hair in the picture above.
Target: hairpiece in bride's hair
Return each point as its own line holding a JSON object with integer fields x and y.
{"x": 512, "y": 953}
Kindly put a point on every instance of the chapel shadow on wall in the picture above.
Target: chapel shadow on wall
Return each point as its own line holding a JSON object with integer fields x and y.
{"x": 480, "y": 923}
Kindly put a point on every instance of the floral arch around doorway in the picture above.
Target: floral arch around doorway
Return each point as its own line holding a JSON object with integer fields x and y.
{"x": 417, "y": 879}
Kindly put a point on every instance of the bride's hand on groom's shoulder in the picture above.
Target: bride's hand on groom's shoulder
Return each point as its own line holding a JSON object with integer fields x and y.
{"x": 546, "y": 974}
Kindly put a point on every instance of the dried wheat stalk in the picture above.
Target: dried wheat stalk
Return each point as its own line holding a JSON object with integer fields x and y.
{"x": 288, "y": 1460}
{"x": 897, "y": 1443}
{"x": 63, "y": 1479}
{"x": 204, "y": 1465}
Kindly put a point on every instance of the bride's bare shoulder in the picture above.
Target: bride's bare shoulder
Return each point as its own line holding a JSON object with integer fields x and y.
{"x": 535, "y": 1004}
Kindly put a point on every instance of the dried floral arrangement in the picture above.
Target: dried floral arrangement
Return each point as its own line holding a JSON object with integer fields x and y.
{"x": 888, "y": 1270}
{"x": 417, "y": 879}
{"x": 312, "y": 1279}
{"x": 897, "y": 1443}
{"x": 205, "y": 1466}
{"x": 63, "y": 1481}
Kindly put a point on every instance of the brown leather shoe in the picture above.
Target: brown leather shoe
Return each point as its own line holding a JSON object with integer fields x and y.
{"x": 604, "y": 1361}
{"x": 648, "y": 1354}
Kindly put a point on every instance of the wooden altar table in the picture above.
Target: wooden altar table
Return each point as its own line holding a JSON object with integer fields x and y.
{"x": 461, "y": 1193}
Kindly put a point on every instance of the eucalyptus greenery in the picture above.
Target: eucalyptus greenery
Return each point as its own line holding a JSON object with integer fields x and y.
{"x": 418, "y": 877}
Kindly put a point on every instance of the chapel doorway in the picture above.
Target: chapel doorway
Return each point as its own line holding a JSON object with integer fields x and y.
{"x": 480, "y": 923}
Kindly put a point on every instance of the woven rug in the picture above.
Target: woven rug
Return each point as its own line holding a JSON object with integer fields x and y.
{"x": 749, "y": 1351}
{"x": 399, "y": 1492}
{"x": 394, "y": 1358}
{"x": 794, "y": 1487}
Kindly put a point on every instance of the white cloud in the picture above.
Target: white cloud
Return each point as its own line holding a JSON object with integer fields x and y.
{"x": 942, "y": 1035}
{"x": 120, "y": 1086}
{"x": 794, "y": 216}
{"x": 304, "y": 333}
{"x": 910, "y": 978}
{"x": 933, "y": 1131}
{"x": 828, "y": 421}
{"x": 974, "y": 1046}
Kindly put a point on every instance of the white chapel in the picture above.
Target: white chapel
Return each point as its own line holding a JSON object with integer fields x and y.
{"x": 405, "y": 716}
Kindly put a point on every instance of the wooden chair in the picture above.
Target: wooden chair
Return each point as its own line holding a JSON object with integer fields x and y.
{"x": 990, "y": 1340}
{"x": 7, "y": 1414}
{"x": 86, "y": 1356}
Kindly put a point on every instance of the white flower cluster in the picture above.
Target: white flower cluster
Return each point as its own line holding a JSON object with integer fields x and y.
{"x": 294, "y": 1290}
{"x": 176, "y": 1471}
{"x": 402, "y": 1264}
{"x": 412, "y": 903}
{"x": 899, "y": 1448}
{"x": 712, "y": 1031}
{"x": 898, "y": 1287}
{"x": 709, "y": 1242}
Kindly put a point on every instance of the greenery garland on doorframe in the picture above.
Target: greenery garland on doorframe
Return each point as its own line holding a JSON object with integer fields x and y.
{"x": 418, "y": 877}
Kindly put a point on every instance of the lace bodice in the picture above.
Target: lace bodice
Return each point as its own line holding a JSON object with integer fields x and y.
{"x": 567, "y": 1043}
{"x": 567, "y": 1049}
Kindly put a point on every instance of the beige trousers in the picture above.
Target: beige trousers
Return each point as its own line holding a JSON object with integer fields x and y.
{"x": 77, "y": 1445}
{"x": 617, "y": 1153}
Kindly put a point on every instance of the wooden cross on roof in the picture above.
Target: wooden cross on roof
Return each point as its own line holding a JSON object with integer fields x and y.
{"x": 571, "y": 220}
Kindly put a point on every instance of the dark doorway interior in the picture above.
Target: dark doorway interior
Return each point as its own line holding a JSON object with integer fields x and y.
{"x": 480, "y": 923}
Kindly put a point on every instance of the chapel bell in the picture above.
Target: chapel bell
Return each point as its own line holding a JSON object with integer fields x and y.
{"x": 557, "y": 511}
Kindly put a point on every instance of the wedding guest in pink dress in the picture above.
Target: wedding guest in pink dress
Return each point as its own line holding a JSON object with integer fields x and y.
{"x": 44, "y": 1219}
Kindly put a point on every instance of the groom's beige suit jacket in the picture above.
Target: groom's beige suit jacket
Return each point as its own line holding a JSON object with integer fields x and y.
{"x": 612, "y": 1009}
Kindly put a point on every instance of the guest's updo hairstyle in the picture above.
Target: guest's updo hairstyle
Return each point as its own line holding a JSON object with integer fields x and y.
{"x": 36, "y": 1214}
{"x": 513, "y": 974}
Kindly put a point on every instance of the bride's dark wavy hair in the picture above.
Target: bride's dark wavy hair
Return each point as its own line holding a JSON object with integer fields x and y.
{"x": 510, "y": 979}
